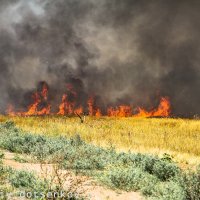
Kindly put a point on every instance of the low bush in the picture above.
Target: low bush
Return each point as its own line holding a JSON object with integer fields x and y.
{"x": 191, "y": 183}
{"x": 169, "y": 190}
{"x": 22, "y": 179}
{"x": 19, "y": 159}
{"x": 127, "y": 178}
{"x": 163, "y": 169}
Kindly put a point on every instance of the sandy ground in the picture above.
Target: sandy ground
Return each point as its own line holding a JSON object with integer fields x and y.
{"x": 90, "y": 188}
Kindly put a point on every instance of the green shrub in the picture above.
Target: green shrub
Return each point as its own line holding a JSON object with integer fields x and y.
{"x": 167, "y": 157}
{"x": 22, "y": 179}
{"x": 191, "y": 183}
{"x": 9, "y": 124}
{"x": 165, "y": 171}
{"x": 19, "y": 159}
{"x": 127, "y": 178}
{"x": 168, "y": 191}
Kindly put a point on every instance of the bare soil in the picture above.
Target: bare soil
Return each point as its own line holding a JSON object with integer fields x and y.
{"x": 88, "y": 186}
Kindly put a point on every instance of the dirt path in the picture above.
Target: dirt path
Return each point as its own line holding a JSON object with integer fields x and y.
{"x": 90, "y": 188}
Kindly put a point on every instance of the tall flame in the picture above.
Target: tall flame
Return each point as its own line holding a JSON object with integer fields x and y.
{"x": 32, "y": 110}
{"x": 41, "y": 106}
{"x": 163, "y": 110}
{"x": 121, "y": 111}
{"x": 66, "y": 107}
{"x": 90, "y": 106}
{"x": 62, "y": 105}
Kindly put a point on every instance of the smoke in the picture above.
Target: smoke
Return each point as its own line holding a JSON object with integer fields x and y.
{"x": 121, "y": 51}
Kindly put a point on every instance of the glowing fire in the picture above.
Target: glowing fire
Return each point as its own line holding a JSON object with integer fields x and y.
{"x": 62, "y": 105}
{"x": 163, "y": 110}
{"x": 93, "y": 110}
{"x": 121, "y": 111}
{"x": 90, "y": 106}
{"x": 33, "y": 109}
{"x": 41, "y": 106}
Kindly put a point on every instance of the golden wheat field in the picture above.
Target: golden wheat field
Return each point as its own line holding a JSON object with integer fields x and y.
{"x": 178, "y": 137}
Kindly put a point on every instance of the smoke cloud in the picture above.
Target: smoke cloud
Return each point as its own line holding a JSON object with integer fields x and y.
{"x": 121, "y": 51}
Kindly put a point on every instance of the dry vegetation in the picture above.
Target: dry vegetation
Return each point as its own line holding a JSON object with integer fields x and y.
{"x": 178, "y": 137}
{"x": 154, "y": 177}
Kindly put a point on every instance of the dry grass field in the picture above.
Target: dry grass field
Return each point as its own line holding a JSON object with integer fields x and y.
{"x": 178, "y": 137}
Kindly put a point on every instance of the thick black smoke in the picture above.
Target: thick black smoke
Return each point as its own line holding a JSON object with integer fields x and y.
{"x": 121, "y": 51}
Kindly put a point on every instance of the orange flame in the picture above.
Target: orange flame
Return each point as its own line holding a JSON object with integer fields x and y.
{"x": 10, "y": 110}
{"x": 90, "y": 106}
{"x": 33, "y": 107}
{"x": 78, "y": 111}
{"x": 44, "y": 92}
{"x": 163, "y": 110}
{"x": 62, "y": 105}
{"x": 98, "y": 113}
{"x": 143, "y": 113}
{"x": 92, "y": 109}
{"x": 121, "y": 111}
{"x": 44, "y": 111}
{"x": 67, "y": 108}
{"x": 41, "y": 106}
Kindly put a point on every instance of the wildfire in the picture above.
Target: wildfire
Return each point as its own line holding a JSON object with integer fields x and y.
{"x": 68, "y": 106}
{"x": 163, "y": 110}
{"x": 92, "y": 108}
{"x": 33, "y": 109}
{"x": 10, "y": 110}
{"x": 121, "y": 111}
{"x": 62, "y": 105}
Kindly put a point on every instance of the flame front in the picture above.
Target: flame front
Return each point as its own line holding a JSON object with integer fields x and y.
{"x": 62, "y": 105}
{"x": 41, "y": 106}
{"x": 32, "y": 110}
{"x": 121, "y": 111}
{"x": 163, "y": 110}
{"x": 66, "y": 107}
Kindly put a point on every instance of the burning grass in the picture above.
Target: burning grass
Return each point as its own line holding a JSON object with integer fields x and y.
{"x": 41, "y": 106}
{"x": 177, "y": 137}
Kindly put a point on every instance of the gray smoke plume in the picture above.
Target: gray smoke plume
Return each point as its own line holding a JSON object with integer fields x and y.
{"x": 120, "y": 51}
